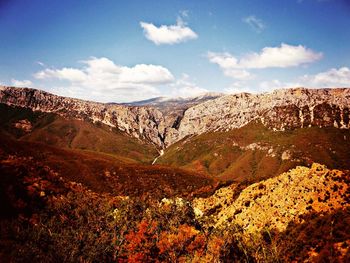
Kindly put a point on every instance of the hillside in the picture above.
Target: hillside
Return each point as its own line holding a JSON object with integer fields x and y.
{"x": 47, "y": 217}
{"x": 105, "y": 173}
{"x": 54, "y": 130}
{"x": 267, "y": 204}
{"x": 293, "y": 211}
{"x": 254, "y": 152}
{"x": 284, "y": 109}
{"x": 235, "y": 178}
{"x": 139, "y": 122}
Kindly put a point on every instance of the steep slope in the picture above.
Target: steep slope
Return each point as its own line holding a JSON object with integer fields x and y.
{"x": 276, "y": 202}
{"x": 255, "y": 152}
{"x": 54, "y": 130}
{"x": 300, "y": 216}
{"x": 140, "y": 122}
{"x": 100, "y": 172}
{"x": 279, "y": 110}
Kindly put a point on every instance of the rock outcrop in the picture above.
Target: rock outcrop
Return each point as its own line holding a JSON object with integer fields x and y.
{"x": 141, "y": 122}
{"x": 276, "y": 202}
{"x": 279, "y": 110}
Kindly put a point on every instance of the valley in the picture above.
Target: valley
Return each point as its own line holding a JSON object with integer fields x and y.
{"x": 175, "y": 131}
{"x": 215, "y": 178}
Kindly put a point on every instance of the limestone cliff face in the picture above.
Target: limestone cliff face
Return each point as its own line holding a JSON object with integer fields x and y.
{"x": 141, "y": 122}
{"x": 279, "y": 110}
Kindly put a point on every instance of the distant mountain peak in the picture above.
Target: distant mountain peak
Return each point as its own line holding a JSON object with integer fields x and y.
{"x": 164, "y": 99}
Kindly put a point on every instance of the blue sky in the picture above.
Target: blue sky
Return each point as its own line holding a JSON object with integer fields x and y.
{"x": 115, "y": 50}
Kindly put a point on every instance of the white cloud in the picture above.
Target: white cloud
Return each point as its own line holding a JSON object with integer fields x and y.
{"x": 185, "y": 87}
{"x": 271, "y": 85}
{"x": 172, "y": 34}
{"x": 280, "y": 57}
{"x": 238, "y": 74}
{"x": 224, "y": 60}
{"x": 331, "y": 78}
{"x": 229, "y": 65}
{"x": 70, "y": 74}
{"x": 101, "y": 79}
{"x": 269, "y": 57}
{"x": 255, "y": 23}
{"x": 21, "y": 83}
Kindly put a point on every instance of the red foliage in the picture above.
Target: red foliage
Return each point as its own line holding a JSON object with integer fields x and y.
{"x": 140, "y": 243}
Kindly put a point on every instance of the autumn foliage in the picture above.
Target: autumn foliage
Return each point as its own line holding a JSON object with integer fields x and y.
{"x": 47, "y": 219}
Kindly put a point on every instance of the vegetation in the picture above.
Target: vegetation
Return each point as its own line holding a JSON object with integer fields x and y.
{"x": 53, "y": 130}
{"x": 46, "y": 218}
{"x": 321, "y": 238}
{"x": 103, "y": 173}
{"x": 73, "y": 191}
{"x": 243, "y": 154}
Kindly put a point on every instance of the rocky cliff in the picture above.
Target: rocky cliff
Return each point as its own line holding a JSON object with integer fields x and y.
{"x": 141, "y": 122}
{"x": 280, "y": 110}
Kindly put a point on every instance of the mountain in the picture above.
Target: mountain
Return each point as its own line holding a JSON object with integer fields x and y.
{"x": 138, "y": 119}
{"x": 140, "y": 122}
{"x": 54, "y": 130}
{"x": 280, "y": 110}
{"x": 254, "y": 152}
{"x": 232, "y": 137}
{"x": 169, "y": 105}
{"x": 232, "y": 178}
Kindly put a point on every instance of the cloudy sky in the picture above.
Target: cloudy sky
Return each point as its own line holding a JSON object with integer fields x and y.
{"x": 114, "y": 50}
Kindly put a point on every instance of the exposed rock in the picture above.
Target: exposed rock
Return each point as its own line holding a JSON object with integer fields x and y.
{"x": 165, "y": 124}
{"x": 279, "y": 110}
{"x": 23, "y": 125}
{"x": 178, "y": 105}
{"x": 286, "y": 155}
{"x": 269, "y": 204}
{"x": 141, "y": 122}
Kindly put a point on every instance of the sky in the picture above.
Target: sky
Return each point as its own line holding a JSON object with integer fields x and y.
{"x": 120, "y": 51}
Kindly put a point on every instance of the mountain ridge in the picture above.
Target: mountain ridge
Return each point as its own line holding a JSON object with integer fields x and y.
{"x": 278, "y": 110}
